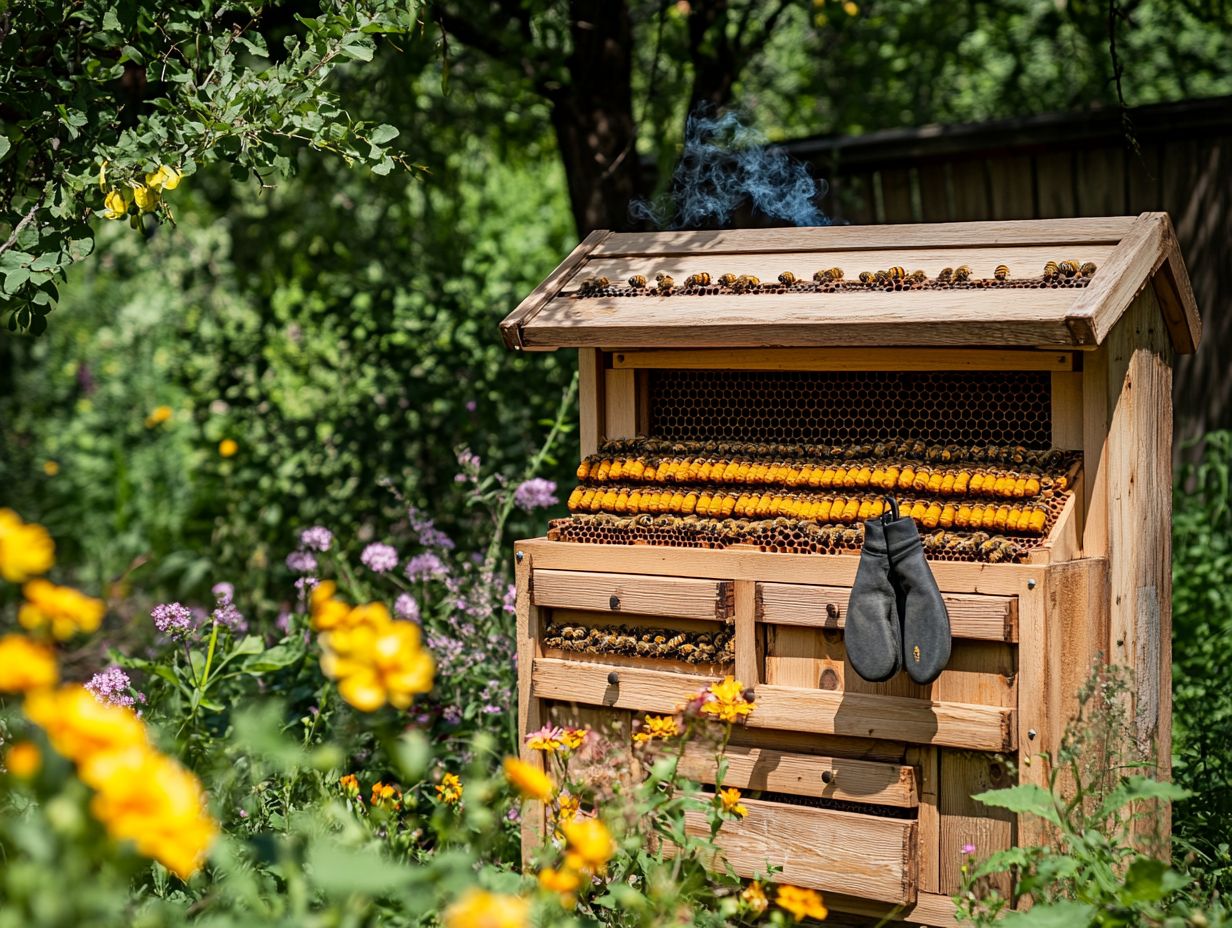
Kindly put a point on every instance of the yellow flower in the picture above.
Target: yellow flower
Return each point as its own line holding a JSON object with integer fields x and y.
{"x": 349, "y": 784}
{"x": 570, "y": 805}
{"x": 565, "y": 882}
{"x": 51, "y": 468}
{"x": 62, "y": 609}
{"x": 850, "y": 8}
{"x": 730, "y": 798}
{"x": 102, "y": 177}
{"x": 228, "y": 447}
{"x": 26, "y": 550}
{"x": 801, "y": 903}
{"x": 478, "y": 908}
{"x": 449, "y": 790}
{"x": 165, "y": 178}
{"x": 547, "y": 739}
{"x": 386, "y": 796}
{"x": 79, "y": 726}
{"x": 146, "y": 198}
{"x": 116, "y": 205}
{"x": 26, "y": 665}
{"x": 327, "y": 612}
{"x": 158, "y": 415}
{"x": 573, "y": 738}
{"x": 727, "y": 702}
{"x": 528, "y": 779}
{"x": 377, "y": 660}
{"x": 588, "y": 845}
{"x": 23, "y": 759}
{"x": 149, "y": 799}
{"x": 656, "y": 727}
{"x": 754, "y": 898}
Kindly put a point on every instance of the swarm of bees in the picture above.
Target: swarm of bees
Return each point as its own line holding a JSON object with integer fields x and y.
{"x": 895, "y": 277}
{"x": 664, "y": 643}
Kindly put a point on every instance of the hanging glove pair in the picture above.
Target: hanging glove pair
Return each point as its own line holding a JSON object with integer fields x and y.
{"x": 896, "y": 617}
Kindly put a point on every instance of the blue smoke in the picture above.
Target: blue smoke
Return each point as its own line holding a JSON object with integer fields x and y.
{"x": 724, "y": 165}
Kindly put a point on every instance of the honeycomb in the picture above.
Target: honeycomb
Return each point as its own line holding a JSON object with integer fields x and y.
{"x": 663, "y": 643}
{"x": 841, "y": 408}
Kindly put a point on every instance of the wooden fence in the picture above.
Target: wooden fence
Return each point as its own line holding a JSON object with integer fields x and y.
{"x": 1067, "y": 165}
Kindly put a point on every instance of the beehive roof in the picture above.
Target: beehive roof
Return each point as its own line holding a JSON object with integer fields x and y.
{"x": 1129, "y": 252}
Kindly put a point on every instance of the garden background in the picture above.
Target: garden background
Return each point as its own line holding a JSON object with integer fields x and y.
{"x": 314, "y": 340}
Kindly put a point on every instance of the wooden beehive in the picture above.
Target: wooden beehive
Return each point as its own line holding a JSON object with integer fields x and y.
{"x": 764, "y": 421}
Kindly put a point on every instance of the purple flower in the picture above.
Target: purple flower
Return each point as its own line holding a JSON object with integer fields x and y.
{"x": 317, "y": 538}
{"x": 172, "y": 619}
{"x": 112, "y": 686}
{"x": 452, "y": 715}
{"x": 226, "y": 614}
{"x": 471, "y": 405}
{"x": 223, "y": 590}
{"x": 535, "y": 493}
{"x": 379, "y": 557}
{"x": 405, "y": 607}
{"x": 283, "y": 622}
{"x": 429, "y": 535}
{"x": 425, "y": 566}
{"x": 301, "y": 562}
{"x": 510, "y": 602}
{"x": 493, "y": 710}
{"x": 968, "y": 849}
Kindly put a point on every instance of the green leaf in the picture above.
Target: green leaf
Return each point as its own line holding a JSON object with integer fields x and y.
{"x": 46, "y": 262}
{"x": 5, "y": 145}
{"x": 358, "y": 52}
{"x": 275, "y": 658}
{"x": 383, "y": 167}
{"x": 1056, "y": 915}
{"x": 340, "y": 871}
{"x": 383, "y": 133}
{"x": 1024, "y": 798}
{"x": 1150, "y": 880}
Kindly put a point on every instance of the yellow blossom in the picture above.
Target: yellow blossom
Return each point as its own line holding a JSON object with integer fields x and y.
{"x": 574, "y": 738}
{"x": 588, "y": 845}
{"x": 528, "y": 779}
{"x": 565, "y": 882}
{"x": 61, "y": 609}
{"x": 478, "y": 908}
{"x": 754, "y": 898}
{"x": 51, "y": 468}
{"x": 146, "y": 198}
{"x": 801, "y": 903}
{"x": 850, "y": 8}
{"x": 385, "y": 796}
{"x": 158, "y": 415}
{"x": 79, "y": 726}
{"x": 726, "y": 701}
{"x": 165, "y": 178}
{"x": 116, "y": 205}
{"x": 449, "y": 790}
{"x": 730, "y": 798}
{"x": 26, "y": 550}
{"x": 570, "y": 805}
{"x": 228, "y": 447}
{"x": 26, "y": 665}
{"x": 23, "y": 759}
{"x": 546, "y": 739}
{"x": 149, "y": 799}
{"x": 654, "y": 727}
{"x": 349, "y": 784}
{"x": 327, "y": 612}
{"x": 377, "y": 660}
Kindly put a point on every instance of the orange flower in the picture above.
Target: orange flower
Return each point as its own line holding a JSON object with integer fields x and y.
{"x": 801, "y": 903}
{"x": 61, "y": 609}
{"x": 729, "y": 799}
{"x": 350, "y": 785}
{"x": 26, "y": 550}
{"x": 528, "y": 779}
{"x": 26, "y": 665}
{"x": 228, "y": 447}
{"x": 23, "y": 759}
{"x": 449, "y": 790}
{"x": 726, "y": 702}
{"x": 656, "y": 728}
{"x": 79, "y": 726}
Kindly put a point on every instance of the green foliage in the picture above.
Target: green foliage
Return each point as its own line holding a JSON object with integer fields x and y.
{"x": 1201, "y": 651}
{"x": 106, "y": 93}
{"x": 1103, "y": 818}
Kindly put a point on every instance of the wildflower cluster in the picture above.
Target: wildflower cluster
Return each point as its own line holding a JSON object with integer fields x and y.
{"x": 135, "y": 199}
{"x": 26, "y": 549}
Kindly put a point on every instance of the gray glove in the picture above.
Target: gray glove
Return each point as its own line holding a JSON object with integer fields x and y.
{"x": 925, "y": 622}
{"x": 872, "y": 634}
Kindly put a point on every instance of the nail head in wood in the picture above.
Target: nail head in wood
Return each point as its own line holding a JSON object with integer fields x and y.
{"x": 613, "y": 678}
{"x": 832, "y": 610}
{"x": 614, "y": 603}
{"x": 1031, "y": 733}
{"x": 1030, "y": 583}
{"x": 519, "y": 556}
{"x": 827, "y": 777}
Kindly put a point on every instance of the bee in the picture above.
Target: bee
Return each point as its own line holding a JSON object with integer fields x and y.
{"x": 1068, "y": 268}
{"x": 728, "y": 280}
{"x": 1051, "y": 271}
{"x": 664, "y": 282}
{"x": 897, "y": 273}
{"x": 590, "y": 284}
{"x": 962, "y": 273}
{"x": 746, "y": 282}
{"x": 788, "y": 279}
{"x": 919, "y": 276}
{"x": 866, "y": 277}
{"x": 674, "y": 642}
{"x": 698, "y": 280}
{"x": 1001, "y": 272}
{"x": 881, "y": 277}
{"x": 945, "y": 275}
{"x": 637, "y": 282}
{"x": 1087, "y": 269}
{"x": 829, "y": 275}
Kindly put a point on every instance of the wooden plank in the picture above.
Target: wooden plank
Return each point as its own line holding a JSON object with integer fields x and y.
{"x": 1067, "y": 410}
{"x": 1037, "y": 702}
{"x": 1101, "y": 180}
{"x": 971, "y": 194}
{"x": 591, "y": 405}
{"x": 1065, "y": 539}
{"x": 756, "y": 768}
{"x": 804, "y": 742}
{"x": 1093, "y": 230}
{"x": 530, "y": 709}
{"x": 985, "y": 618}
{"x": 1054, "y": 185}
{"x": 935, "y": 202}
{"x": 782, "y": 707}
{"x": 614, "y": 594}
{"x": 925, "y": 762}
{"x": 769, "y": 567}
{"x": 933, "y": 909}
{"x": 859, "y": 202}
{"x": 1094, "y": 465}
{"x": 1011, "y": 185}
{"x": 896, "y": 195}
{"x": 710, "y": 671}
{"x": 801, "y": 657}
{"x": 956, "y": 318}
{"x": 846, "y": 359}
{"x": 820, "y": 848}
{"x": 964, "y": 821}
{"x": 748, "y": 669}
{"x": 1023, "y": 261}
{"x": 511, "y": 327}
{"x": 620, "y": 399}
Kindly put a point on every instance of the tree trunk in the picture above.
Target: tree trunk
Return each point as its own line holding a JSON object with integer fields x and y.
{"x": 593, "y": 116}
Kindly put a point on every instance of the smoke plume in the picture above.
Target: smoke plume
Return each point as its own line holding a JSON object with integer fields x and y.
{"x": 725, "y": 165}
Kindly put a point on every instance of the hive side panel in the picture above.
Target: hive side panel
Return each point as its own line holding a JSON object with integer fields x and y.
{"x": 530, "y": 709}
{"x": 591, "y": 404}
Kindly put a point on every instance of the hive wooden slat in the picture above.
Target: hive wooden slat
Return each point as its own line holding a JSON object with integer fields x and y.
{"x": 966, "y": 821}
{"x": 985, "y": 618}
{"x": 801, "y": 775}
{"x": 512, "y": 326}
{"x": 844, "y": 359}
{"x": 820, "y": 848}
{"x": 641, "y": 595}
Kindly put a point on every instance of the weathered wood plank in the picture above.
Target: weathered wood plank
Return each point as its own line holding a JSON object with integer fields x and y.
{"x": 846, "y": 359}
{"x": 925, "y": 761}
{"x": 964, "y": 821}
{"x": 1067, "y": 410}
{"x": 620, "y": 418}
{"x": 591, "y": 405}
{"x": 748, "y": 667}
{"x": 511, "y": 327}
{"x": 530, "y": 709}
{"x": 617, "y": 593}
